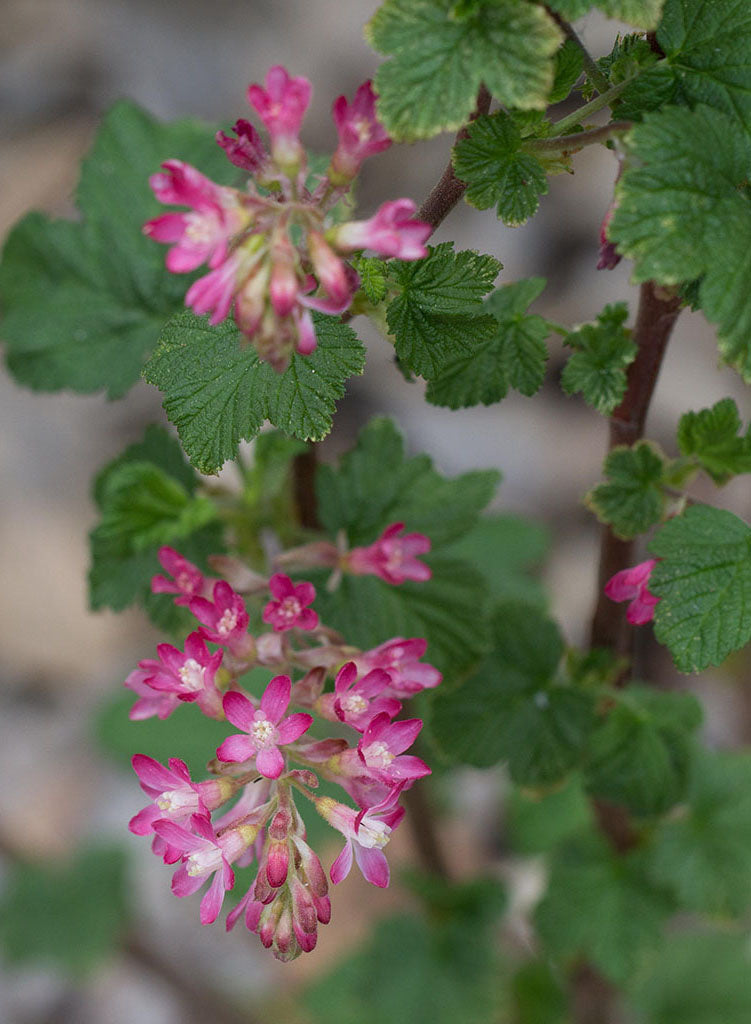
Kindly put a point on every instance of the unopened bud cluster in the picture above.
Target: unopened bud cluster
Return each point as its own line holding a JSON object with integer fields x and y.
{"x": 272, "y": 249}
{"x": 245, "y": 812}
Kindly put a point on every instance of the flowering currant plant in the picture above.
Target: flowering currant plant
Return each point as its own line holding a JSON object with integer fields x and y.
{"x": 351, "y": 627}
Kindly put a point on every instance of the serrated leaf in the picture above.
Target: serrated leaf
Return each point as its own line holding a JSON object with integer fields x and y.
{"x": 601, "y": 907}
{"x": 603, "y": 352}
{"x": 376, "y": 484}
{"x": 632, "y": 500}
{"x": 440, "y": 56}
{"x": 217, "y": 393}
{"x": 69, "y": 914}
{"x": 712, "y": 436}
{"x": 724, "y": 290}
{"x": 704, "y": 581}
{"x": 449, "y": 610}
{"x": 513, "y": 356}
{"x": 438, "y": 312}
{"x": 704, "y": 854}
{"x": 498, "y": 171}
{"x": 513, "y": 709}
{"x": 84, "y": 301}
{"x": 640, "y": 755}
{"x": 642, "y": 13}
{"x": 372, "y": 273}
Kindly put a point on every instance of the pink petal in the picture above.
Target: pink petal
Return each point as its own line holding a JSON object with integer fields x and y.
{"x": 151, "y": 774}
{"x": 275, "y": 699}
{"x": 239, "y": 710}
{"x": 294, "y": 726}
{"x": 236, "y": 749}
{"x": 373, "y": 864}
{"x": 307, "y": 619}
{"x": 408, "y": 767}
{"x": 184, "y": 884}
{"x": 345, "y": 677}
{"x": 178, "y": 836}
{"x": 402, "y": 735}
{"x": 141, "y": 824}
{"x": 305, "y": 593}
{"x": 211, "y": 904}
{"x": 270, "y": 763}
{"x": 342, "y": 865}
{"x": 281, "y": 586}
{"x": 167, "y": 228}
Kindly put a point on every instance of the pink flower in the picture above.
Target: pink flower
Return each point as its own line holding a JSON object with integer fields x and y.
{"x": 390, "y": 232}
{"x": 213, "y": 293}
{"x": 356, "y": 702}
{"x": 290, "y": 609}
{"x": 205, "y": 854}
{"x": 202, "y": 236}
{"x": 366, "y": 833}
{"x": 632, "y": 585}
{"x": 247, "y": 150}
{"x": 392, "y": 557}
{"x": 189, "y": 675}
{"x": 401, "y": 659}
{"x": 331, "y": 272}
{"x": 225, "y": 620}
{"x": 150, "y": 702}
{"x": 265, "y": 729}
{"x": 281, "y": 106}
{"x": 187, "y": 580}
{"x": 381, "y": 745}
{"x": 360, "y": 134}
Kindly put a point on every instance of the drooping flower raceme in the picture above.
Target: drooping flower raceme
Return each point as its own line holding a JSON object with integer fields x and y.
{"x": 245, "y": 811}
{"x": 272, "y": 253}
{"x": 633, "y": 585}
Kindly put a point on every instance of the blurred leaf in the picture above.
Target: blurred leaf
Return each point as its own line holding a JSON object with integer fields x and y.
{"x": 537, "y": 823}
{"x": 540, "y": 997}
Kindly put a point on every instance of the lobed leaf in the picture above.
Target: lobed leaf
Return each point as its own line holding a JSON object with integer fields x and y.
{"x": 632, "y": 500}
{"x": 712, "y": 436}
{"x": 603, "y": 352}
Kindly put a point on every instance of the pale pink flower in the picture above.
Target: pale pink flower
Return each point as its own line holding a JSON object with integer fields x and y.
{"x": 150, "y": 702}
{"x": 187, "y": 580}
{"x": 264, "y": 728}
{"x": 247, "y": 150}
{"x": 290, "y": 608}
{"x": 401, "y": 659}
{"x": 366, "y": 833}
{"x": 205, "y": 854}
{"x": 285, "y": 283}
{"x": 201, "y": 236}
{"x": 189, "y": 675}
{"x": 392, "y": 557}
{"x": 225, "y": 619}
{"x": 360, "y": 134}
{"x": 214, "y": 292}
{"x": 281, "y": 105}
{"x": 391, "y": 231}
{"x": 357, "y": 701}
{"x": 632, "y": 585}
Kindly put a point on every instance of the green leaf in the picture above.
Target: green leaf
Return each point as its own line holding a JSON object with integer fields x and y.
{"x": 133, "y": 525}
{"x": 700, "y": 978}
{"x": 438, "y": 312}
{"x": 449, "y": 610}
{"x": 569, "y": 65}
{"x": 643, "y": 13}
{"x": 539, "y": 996}
{"x": 373, "y": 274}
{"x": 597, "y": 367}
{"x": 84, "y": 301}
{"x": 217, "y": 393}
{"x": 376, "y": 485}
{"x": 601, "y": 906}
{"x": 514, "y": 355}
{"x": 712, "y": 436}
{"x": 70, "y": 914}
{"x": 724, "y": 290}
{"x": 440, "y": 56}
{"x": 498, "y": 171}
{"x": 514, "y": 708}
{"x": 538, "y": 822}
{"x": 640, "y": 755}
{"x": 704, "y": 581}
{"x": 704, "y": 854}
{"x": 507, "y": 549}
{"x": 633, "y": 499}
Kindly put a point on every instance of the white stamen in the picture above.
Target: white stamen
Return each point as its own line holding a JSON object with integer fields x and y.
{"x": 378, "y": 755}
{"x": 191, "y": 675}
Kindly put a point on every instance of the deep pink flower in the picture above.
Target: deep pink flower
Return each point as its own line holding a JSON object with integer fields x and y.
{"x": 201, "y": 236}
{"x": 360, "y": 134}
{"x": 356, "y": 702}
{"x": 189, "y": 674}
{"x": 290, "y": 609}
{"x": 187, "y": 580}
{"x": 225, "y": 619}
{"x": 401, "y": 659}
{"x": 389, "y": 232}
{"x": 381, "y": 750}
{"x": 205, "y": 854}
{"x": 632, "y": 585}
{"x": 392, "y": 557}
{"x": 247, "y": 150}
{"x": 281, "y": 105}
{"x": 265, "y": 730}
{"x": 366, "y": 833}
{"x": 150, "y": 702}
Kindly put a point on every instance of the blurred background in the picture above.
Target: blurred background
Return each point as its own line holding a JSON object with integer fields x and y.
{"x": 62, "y": 63}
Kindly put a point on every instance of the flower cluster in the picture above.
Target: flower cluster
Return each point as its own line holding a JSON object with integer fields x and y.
{"x": 246, "y": 812}
{"x": 271, "y": 249}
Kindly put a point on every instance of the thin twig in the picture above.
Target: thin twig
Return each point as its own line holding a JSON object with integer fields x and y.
{"x": 578, "y": 140}
{"x": 596, "y": 77}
